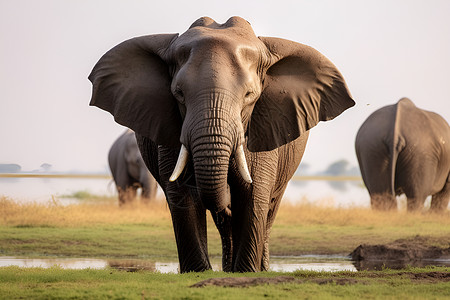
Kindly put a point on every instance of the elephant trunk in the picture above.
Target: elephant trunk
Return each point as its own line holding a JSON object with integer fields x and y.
{"x": 211, "y": 155}
{"x": 212, "y": 132}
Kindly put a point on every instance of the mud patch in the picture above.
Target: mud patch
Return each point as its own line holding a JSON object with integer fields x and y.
{"x": 243, "y": 281}
{"x": 399, "y": 254}
{"x": 430, "y": 277}
{"x": 337, "y": 281}
{"x": 253, "y": 281}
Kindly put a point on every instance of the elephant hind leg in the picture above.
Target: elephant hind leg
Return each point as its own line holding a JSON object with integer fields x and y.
{"x": 440, "y": 200}
{"x": 416, "y": 194}
{"x": 383, "y": 201}
{"x": 415, "y": 203}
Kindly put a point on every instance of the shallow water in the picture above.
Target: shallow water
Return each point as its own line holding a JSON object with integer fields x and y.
{"x": 319, "y": 263}
{"x": 279, "y": 264}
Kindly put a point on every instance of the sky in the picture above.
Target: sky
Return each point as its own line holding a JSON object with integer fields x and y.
{"x": 385, "y": 50}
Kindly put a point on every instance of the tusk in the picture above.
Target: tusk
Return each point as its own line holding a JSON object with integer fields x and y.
{"x": 242, "y": 164}
{"x": 181, "y": 163}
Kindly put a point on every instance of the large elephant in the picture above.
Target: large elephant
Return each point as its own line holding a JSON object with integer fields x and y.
{"x": 403, "y": 149}
{"x": 129, "y": 170}
{"x": 236, "y": 110}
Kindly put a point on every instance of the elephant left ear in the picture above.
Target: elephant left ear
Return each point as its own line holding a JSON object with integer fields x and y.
{"x": 301, "y": 88}
{"x": 132, "y": 82}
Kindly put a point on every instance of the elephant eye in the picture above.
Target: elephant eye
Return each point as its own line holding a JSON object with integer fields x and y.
{"x": 249, "y": 96}
{"x": 178, "y": 93}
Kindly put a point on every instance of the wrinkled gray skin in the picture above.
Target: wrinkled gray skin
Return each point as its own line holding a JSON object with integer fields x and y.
{"x": 215, "y": 88}
{"x": 403, "y": 149}
{"x": 129, "y": 170}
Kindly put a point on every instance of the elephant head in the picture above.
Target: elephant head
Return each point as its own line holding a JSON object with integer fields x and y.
{"x": 214, "y": 90}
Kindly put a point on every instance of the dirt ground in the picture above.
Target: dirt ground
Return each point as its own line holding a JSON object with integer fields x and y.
{"x": 399, "y": 254}
{"x": 426, "y": 277}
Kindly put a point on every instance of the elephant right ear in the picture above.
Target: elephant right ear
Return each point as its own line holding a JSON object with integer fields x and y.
{"x": 132, "y": 82}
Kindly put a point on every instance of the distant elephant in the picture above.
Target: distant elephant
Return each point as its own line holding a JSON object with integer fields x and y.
{"x": 403, "y": 149}
{"x": 237, "y": 110}
{"x": 129, "y": 170}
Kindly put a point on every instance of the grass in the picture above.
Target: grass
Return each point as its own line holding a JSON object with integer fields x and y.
{"x": 56, "y": 283}
{"x": 98, "y": 228}
{"x": 102, "y": 229}
{"x": 87, "y": 195}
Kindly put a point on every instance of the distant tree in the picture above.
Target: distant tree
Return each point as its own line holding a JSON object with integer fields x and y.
{"x": 43, "y": 168}
{"x": 46, "y": 167}
{"x": 10, "y": 168}
{"x": 337, "y": 168}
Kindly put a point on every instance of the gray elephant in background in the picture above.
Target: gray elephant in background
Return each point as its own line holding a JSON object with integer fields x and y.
{"x": 129, "y": 170}
{"x": 222, "y": 118}
{"x": 403, "y": 149}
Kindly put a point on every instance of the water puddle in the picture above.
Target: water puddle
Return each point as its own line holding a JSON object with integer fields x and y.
{"x": 279, "y": 264}
{"x": 318, "y": 263}
{"x": 65, "y": 263}
{"x": 327, "y": 263}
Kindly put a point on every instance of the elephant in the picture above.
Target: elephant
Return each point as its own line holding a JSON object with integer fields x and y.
{"x": 222, "y": 118}
{"x": 129, "y": 170}
{"x": 402, "y": 149}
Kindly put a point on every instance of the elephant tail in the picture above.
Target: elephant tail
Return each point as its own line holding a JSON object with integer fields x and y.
{"x": 398, "y": 143}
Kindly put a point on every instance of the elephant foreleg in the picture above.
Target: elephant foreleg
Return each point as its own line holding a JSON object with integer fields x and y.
{"x": 149, "y": 189}
{"x": 189, "y": 224}
{"x": 250, "y": 207}
{"x": 223, "y": 224}
{"x": 127, "y": 195}
{"x": 153, "y": 188}
{"x": 384, "y": 201}
{"x": 188, "y": 216}
{"x": 415, "y": 204}
{"x": 274, "y": 205}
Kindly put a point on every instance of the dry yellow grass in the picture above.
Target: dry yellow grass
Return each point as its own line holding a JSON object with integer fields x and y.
{"x": 108, "y": 212}
{"x": 85, "y": 214}
{"x": 304, "y": 214}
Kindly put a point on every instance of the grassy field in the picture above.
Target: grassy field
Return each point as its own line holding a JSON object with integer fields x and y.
{"x": 97, "y": 228}
{"x": 56, "y": 283}
{"x": 101, "y": 229}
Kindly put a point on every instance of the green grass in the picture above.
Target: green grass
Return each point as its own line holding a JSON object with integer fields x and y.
{"x": 126, "y": 240}
{"x": 56, "y": 283}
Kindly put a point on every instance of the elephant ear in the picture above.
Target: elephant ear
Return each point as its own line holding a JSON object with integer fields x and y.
{"x": 301, "y": 88}
{"x": 132, "y": 82}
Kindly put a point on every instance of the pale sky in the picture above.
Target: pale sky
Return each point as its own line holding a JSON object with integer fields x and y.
{"x": 384, "y": 49}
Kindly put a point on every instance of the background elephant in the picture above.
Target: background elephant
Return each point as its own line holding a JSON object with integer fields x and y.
{"x": 404, "y": 149}
{"x": 129, "y": 170}
{"x": 236, "y": 110}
